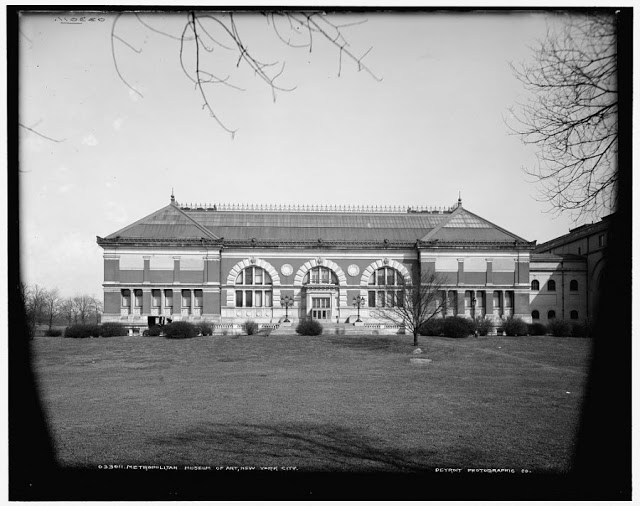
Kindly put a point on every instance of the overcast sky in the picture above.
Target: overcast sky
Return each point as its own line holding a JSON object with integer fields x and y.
{"x": 432, "y": 127}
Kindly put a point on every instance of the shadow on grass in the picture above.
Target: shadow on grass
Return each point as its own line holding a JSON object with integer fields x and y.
{"x": 310, "y": 447}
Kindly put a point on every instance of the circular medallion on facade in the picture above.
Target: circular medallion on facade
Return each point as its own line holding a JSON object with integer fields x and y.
{"x": 353, "y": 270}
{"x": 286, "y": 270}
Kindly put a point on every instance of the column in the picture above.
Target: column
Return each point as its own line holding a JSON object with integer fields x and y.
{"x": 472, "y": 308}
{"x": 162, "y": 301}
{"x": 488, "y": 303}
{"x": 460, "y": 302}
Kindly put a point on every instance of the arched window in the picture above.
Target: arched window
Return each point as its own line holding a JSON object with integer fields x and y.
{"x": 551, "y": 315}
{"x": 535, "y": 285}
{"x": 573, "y": 315}
{"x": 535, "y": 314}
{"x": 320, "y": 276}
{"x": 386, "y": 288}
{"x": 551, "y": 285}
{"x": 573, "y": 285}
{"x": 253, "y": 288}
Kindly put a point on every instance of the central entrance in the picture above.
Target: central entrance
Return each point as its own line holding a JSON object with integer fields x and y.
{"x": 320, "y": 294}
{"x": 321, "y": 308}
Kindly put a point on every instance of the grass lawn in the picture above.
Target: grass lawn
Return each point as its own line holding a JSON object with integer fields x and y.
{"x": 326, "y": 403}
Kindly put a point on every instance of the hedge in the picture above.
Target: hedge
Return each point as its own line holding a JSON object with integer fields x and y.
{"x": 514, "y": 326}
{"x": 457, "y": 326}
{"x": 113, "y": 329}
{"x": 180, "y": 330}
{"x": 81, "y": 330}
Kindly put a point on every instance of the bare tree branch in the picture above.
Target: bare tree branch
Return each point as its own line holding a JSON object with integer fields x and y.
{"x": 41, "y": 135}
{"x": 115, "y": 60}
{"x": 571, "y": 117}
{"x": 200, "y": 25}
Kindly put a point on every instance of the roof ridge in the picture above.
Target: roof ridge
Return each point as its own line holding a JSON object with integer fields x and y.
{"x": 315, "y": 208}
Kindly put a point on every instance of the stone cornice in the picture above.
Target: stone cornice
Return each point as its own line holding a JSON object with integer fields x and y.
{"x": 318, "y": 244}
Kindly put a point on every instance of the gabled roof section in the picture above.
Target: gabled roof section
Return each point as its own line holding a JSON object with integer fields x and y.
{"x": 462, "y": 225}
{"x": 170, "y": 222}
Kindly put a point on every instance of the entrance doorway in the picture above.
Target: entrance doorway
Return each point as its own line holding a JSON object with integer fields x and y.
{"x": 321, "y": 308}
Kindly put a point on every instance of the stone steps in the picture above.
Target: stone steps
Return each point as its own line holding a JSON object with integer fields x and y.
{"x": 336, "y": 329}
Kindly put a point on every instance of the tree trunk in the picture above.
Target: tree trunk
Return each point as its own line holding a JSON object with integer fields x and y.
{"x": 415, "y": 338}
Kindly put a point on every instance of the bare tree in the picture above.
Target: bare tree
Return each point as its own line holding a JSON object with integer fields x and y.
{"x": 572, "y": 115}
{"x": 52, "y": 303}
{"x": 415, "y": 304}
{"x": 206, "y": 35}
{"x": 84, "y": 307}
{"x": 68, "y": 310}
{"x": 97, "y": 307}
{"x": 35, "y": 304}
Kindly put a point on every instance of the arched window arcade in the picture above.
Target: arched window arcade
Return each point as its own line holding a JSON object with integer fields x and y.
{"x": 386, "y": 288}
{"x": 254, "y": 288}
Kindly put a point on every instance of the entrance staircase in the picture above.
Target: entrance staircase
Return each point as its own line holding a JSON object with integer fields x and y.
{"x": 341, "y": 329}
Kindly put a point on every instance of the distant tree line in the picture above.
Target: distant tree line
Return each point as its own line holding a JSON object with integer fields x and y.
{"x": 44, "y": 306}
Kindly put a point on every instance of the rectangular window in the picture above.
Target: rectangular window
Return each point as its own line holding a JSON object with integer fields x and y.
{"x": 168, "y": 298}
{"x": 198, "y": 297}
{"x": 138, "y": 294}
{"x": 381, "y": 299}
{"x": 126, "y": 298}
{"x": 258, "y": 276}
{"x": 325, "y": 275}
{"x": 372, "y": 297}
{"x": 381, "y": 277}
{"x": 390, "y": 299}
{"x": 508, "y": 299}
{"x": 248, "y": 297}
{"x": 248, "y": 276}
{"x": 400, "y": 299}
{"x": 155, "y": 298}
{"x": 315, "y": 276}
{"x": 268, "y": 299}
{"x": 258, "y": 299}
{"x": 238, "y": 298}
{"x": 186, "y": 298}
{"x": 390, "y": 277}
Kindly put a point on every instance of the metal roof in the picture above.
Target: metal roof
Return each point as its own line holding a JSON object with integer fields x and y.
{"x": 172, "y": 222}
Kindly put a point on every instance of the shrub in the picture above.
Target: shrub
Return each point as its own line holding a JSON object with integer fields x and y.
{"x": 154, "y": 331}
{"x": 251, "y": 327}
{"x": 483, "y": 325}
{"x": 537, "y": 329}
{"x": 309, "y": 328}
{"x": 560, "y": 328}
{"x": 113, "y": 329}
{"x": 432, "y": 327}
{"x": 205, "y": 328}
{"x": 514, "y": 326}
{"x": 53, "y": 332}
{"x": 81, "y": 330}
{"x": 457, "y": 326}
{"x": 180, "y": 330}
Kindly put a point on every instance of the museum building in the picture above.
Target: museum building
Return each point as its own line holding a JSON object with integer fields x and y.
{"x": 229, "y": 263}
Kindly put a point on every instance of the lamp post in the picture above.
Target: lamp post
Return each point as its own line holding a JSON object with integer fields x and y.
{"x": 285, "y": 302}
{"x": 357, "y": 302}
